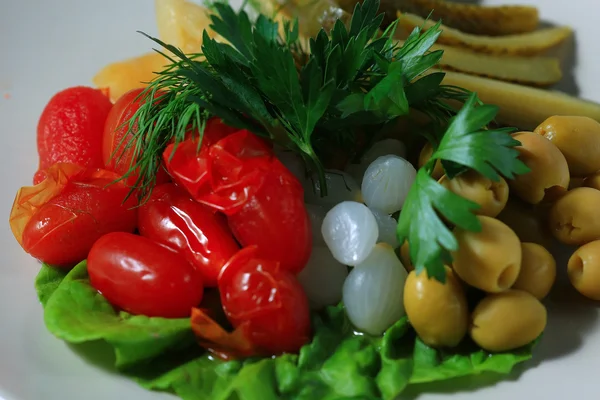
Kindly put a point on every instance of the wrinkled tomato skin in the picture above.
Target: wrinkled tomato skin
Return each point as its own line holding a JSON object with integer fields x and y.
{"x": 188, "y": 167}
{"x": 116, "y": 155}
{"x": 62, "y": 231}
{"x": 142, "y": 277}
{"x": 70, "y": 128}
{"x": 172, "y": 218}
{"x": 267, "y": 302}
{"x": 276, "y": 221}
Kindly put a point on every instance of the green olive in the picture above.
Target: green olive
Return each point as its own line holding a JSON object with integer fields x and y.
{"x": 592, "y": 181}
{"x": 526, "y": 221}
{"x": 425, "y": 155}
{"x": 506, "y": 321}
{"x": 437, "y": 311}
{"x": 549, "y": 175}
{"x": 584, "y": 270}
{"x": 578, "y": 138}
{"x": 489, "y": 260}
{"x": 575, "y": 217}
{"x": 538, "y": 270}
{"x": 491, "y": 196}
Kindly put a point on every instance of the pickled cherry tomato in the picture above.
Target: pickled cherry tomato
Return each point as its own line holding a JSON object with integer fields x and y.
{"x": 172, "y": 218}
{"x": 58, "y": 220}
{"x": 266, "y": 302}
{"x": 143, "y": 277}
{"x": 70, "y": 129}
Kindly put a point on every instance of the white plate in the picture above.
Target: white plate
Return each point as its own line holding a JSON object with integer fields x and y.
{"x": 50, "y": 45}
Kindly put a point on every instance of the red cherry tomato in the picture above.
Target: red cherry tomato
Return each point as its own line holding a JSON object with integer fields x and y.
{"x": 58, "y": 220}
{"x": 116, "y": 155}
{"x": 172, "y": 218}
{"x": 263, "y": 201}
{"x": 266, "y": 302}
{"x": 70, "y": 129}
{"x": 142, "y": 277}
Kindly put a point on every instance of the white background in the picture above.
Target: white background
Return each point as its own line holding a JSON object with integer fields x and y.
{"x": 46, "y": 46}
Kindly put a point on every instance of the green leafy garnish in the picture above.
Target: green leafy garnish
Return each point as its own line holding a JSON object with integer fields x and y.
{"x": 354, "y": 77}
{"x": 467, "y": 144}
{"x": 160, "y": 354}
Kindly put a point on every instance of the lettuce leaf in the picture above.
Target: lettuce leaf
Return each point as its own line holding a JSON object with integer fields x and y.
{"x": 77, "y": 313}
{"x": 161, "y": 354}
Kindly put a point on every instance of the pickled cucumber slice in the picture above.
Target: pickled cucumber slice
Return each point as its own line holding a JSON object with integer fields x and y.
{"x": 521, "y": 44}
{"x": 470, "y": 18}
{"x": 536, "y": 71}
{"x": 521, "y": 106}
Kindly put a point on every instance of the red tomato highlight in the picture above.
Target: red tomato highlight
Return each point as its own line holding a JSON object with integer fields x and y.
{"x": 267, "y": 301}
{"x": 117, "y": 156}
{"x": 264, "y": 202}
{"x": 172, "y": 218}
{"x": 70, "y": 128}
{"x": 58, "y": 220}
{"x": 142, "y": 277}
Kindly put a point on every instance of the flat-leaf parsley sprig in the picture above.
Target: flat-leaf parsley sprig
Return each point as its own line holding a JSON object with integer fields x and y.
{"x": 468, "y": 144}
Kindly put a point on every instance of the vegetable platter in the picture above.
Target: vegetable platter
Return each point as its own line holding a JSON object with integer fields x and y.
{"x": 362, "y": 215}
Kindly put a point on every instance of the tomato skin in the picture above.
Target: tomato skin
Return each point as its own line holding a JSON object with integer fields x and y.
{"x": 266, "y": 302}
{"x": 116, "y": 156}
{"x": 186, "y": 165}
{"x": 142, "y": 277}
{"x": 58, "y": 220}
{"x": 264, "y": 203}
{"x": 172, "y": 218}
{"x": 70, "y": 128}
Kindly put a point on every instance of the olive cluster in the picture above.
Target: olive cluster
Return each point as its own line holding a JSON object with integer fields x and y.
{"x": 508, "y": 263}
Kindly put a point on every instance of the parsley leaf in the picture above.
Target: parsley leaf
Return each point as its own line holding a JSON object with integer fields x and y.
{"x": 467, "y": 144}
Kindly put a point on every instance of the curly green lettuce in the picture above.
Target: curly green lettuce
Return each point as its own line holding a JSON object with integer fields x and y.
{"x": 161, "y": 354}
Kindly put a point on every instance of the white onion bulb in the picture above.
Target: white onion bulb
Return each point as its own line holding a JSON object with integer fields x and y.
{"x": 350, "y": 231}
{"x": 316, "y": 215}
{"x": 374, "y": 290}
{"x": 386, "y": 183}
{"x": 323, "y": 278}
{"x": 340, "y": 187}
{"x": 384, "y": 147}
{"x": 387, "y": 226}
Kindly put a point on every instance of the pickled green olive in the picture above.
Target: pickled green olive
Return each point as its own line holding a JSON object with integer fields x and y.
{"x": 549, "y": 175}
{"x": 584, "y": 270}
{"x": 490, "y": 195}
{"x": 575, "y": 218}
{"x": 425, "y": 155}
{"x": 489, "y": 260}
{"x": 578, "y": 138}
{"x": 506, "y": 321}
{"x": 538, "y": 270}
{"x": 437, "y": 311}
